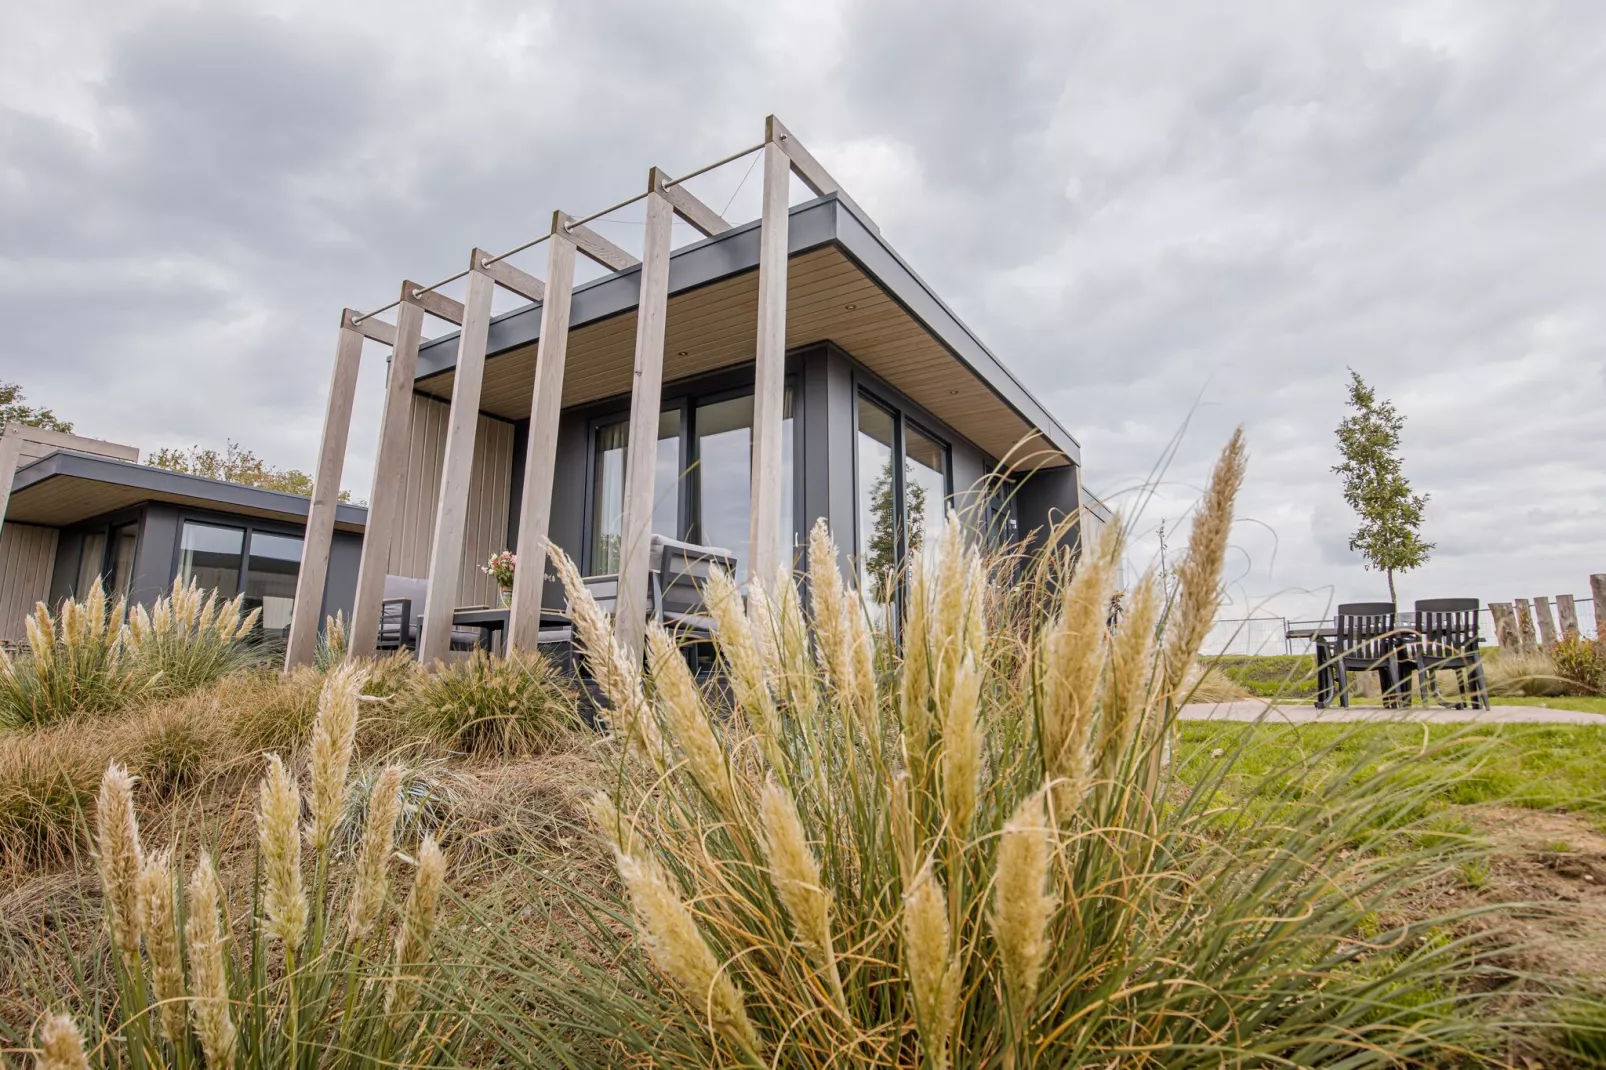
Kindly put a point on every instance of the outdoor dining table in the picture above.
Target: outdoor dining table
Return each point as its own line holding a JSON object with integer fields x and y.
{"x": 492, "y": 623}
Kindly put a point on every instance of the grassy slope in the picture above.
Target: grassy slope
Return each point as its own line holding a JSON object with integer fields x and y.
{"x": 1534, "y": 766}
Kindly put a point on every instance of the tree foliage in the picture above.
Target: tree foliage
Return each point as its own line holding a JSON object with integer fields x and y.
{"x": 235, "y": 465}
{"x": 1375, "y": 486}
{"x": 12, "y": 410}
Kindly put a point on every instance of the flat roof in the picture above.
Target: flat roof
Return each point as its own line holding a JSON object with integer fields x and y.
{"x": 845, "y": 284}
{"x": 65, "y": 487}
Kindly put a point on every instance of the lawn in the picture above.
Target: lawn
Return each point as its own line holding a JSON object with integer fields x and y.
{"x": 1531, "y": 766}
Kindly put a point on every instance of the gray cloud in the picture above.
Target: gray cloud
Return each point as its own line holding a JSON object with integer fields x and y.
{"x": 1156, "y": 216}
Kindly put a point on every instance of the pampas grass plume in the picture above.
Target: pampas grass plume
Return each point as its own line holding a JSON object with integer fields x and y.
{"x": 284, "y": 900}
{"x": 158, "y": 920}
{"x": 797, "y": 881}
{"x": 205, "y": 942}
{"x": 419, "y": 917}
{"x": 933, "y": 973}
{"x": 373, "y": 856}
{"x": 61, "y": 1045}
{"x": 679, "y": 950}
{"x": 1022, "y": 904}
{"x": 119, "y": 859}
{"x": 334, "y": 734}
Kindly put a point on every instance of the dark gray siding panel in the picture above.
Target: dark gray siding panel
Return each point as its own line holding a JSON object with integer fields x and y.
{"x": 68, "y": 546}
{"x": 156, "y": 555}
{"x": 1045, "y": 498}
{"x": 569, "y": 494}
{"x": 340, "y": 586}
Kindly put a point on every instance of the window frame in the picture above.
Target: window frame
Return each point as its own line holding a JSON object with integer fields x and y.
{"x": 248, "y": 525}
{"x": 685, "y": 398}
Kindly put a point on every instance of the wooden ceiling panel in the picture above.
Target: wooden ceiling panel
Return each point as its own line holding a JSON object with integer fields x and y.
{"x": 716, "y": 326}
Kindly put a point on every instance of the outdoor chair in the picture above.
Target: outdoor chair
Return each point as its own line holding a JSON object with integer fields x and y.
{"x": 680, "y": 574}
{"x": 1367, "y": 640}
{"x": 400, "y": 610}
{"x": 1447, "y": 639}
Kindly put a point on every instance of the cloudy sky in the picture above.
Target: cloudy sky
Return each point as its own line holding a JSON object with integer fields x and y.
{"x": 1166, "y": 218}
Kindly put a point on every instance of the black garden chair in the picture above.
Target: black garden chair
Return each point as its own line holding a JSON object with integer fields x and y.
{"x": 1368, "y": 640}
{"x": 1446, "y": 639}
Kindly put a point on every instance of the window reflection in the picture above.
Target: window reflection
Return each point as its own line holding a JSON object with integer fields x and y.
{"x": 209, "y": 555}
{"x": 608, "y": 488}
{"x": 271, "y": 580}
{"x": 724, "y": 477}
{"x": 877, "y": 506}
{"x": 925, "y": 475}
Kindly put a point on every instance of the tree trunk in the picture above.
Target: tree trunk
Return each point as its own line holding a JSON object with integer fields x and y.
{"x": 1392, "y": 598}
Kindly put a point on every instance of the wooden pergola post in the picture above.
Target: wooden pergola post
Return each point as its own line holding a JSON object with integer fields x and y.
{"x": 769, "y": 374}
{"x": 646, "y": 397}
{"x": 307, "y": 612}
{"x": 541, "y": 454}
{"x": 451, "y": 511}
{"x": 390, "y": 475}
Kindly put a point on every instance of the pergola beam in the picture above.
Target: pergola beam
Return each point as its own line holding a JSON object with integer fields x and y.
{"x": 641, "y": 450}
{"x": 436, "y": 304}
{"x": 390, "y": 477}
{"x": 769, "y": 374}
{"x": 509, "y": 277}
{"x": 813, "y": 174}
{"x": 593, "y": 245}
{"x": 686, "y": 206}
{"x": 370, "y": 327}
{"x": 541, "y": 453}
{"x": 307, "y": 612}
{"x": 457, "y": 470}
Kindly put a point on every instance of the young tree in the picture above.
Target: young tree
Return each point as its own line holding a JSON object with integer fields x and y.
{"x": 235, "y": 465}
{"x": 1375, "y": 485}
{"x": 12, "y": 410}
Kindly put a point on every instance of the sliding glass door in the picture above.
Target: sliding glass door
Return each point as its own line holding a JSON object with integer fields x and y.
{"x": 898, "y": 504}
{"x": 711, "y": 503}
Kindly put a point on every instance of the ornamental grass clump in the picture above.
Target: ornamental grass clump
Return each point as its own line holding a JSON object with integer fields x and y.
{"x": 94, "y": 656}
{"x": 966, "y": 846}
{"x": 314, "y": 977}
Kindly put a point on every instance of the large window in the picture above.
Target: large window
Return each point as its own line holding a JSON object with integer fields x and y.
{"x": 262, "y": 564}
{"x": 898, "y": 504}
{"x": 878, "y": 502}
{"x": 209, "y": 555}
{"x": 724, "y": 458}
{"x": 608, "y": 487}
{"x": 718, "y": 493}
{"x": 270, "y": 581}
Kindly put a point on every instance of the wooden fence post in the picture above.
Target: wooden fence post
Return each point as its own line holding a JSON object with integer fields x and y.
{"x": 1567, "y": 615}
{"x": 1525, "y": 627}
{"x": 318, "y": 535}
{"x": 1505, "y": 627}
{"x": 1547, "y": 623}
{"x": 1597, "y": 588}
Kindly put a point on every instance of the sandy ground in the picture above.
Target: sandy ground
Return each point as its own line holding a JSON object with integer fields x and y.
{"x": 1292, "y": 713}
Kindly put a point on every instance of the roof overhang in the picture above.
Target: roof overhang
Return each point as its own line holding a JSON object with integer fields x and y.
{"x": 844, "y": 285}
{"x": 65, "y": 488}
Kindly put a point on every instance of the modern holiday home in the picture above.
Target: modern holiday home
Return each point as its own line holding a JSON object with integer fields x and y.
{"x": 704, "y": 402}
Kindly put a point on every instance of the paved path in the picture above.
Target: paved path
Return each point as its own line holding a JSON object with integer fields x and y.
{"x": 1284, "y": 713}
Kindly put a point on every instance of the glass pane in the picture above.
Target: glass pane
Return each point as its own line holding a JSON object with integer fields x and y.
{"x": 877, "y": 504}
{"x": 123, "y": 542}
{"x": 271, "y": 580}
{"x": 91, "y": 562}
{"x": 925, "y": 484}
{"x": 725, "y": 480}
{"x": 210, "y": 556}
{"x": 608, "y": 488}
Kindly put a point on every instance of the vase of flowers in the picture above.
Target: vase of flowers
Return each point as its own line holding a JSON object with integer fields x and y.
{"x": 500, "y": 568}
